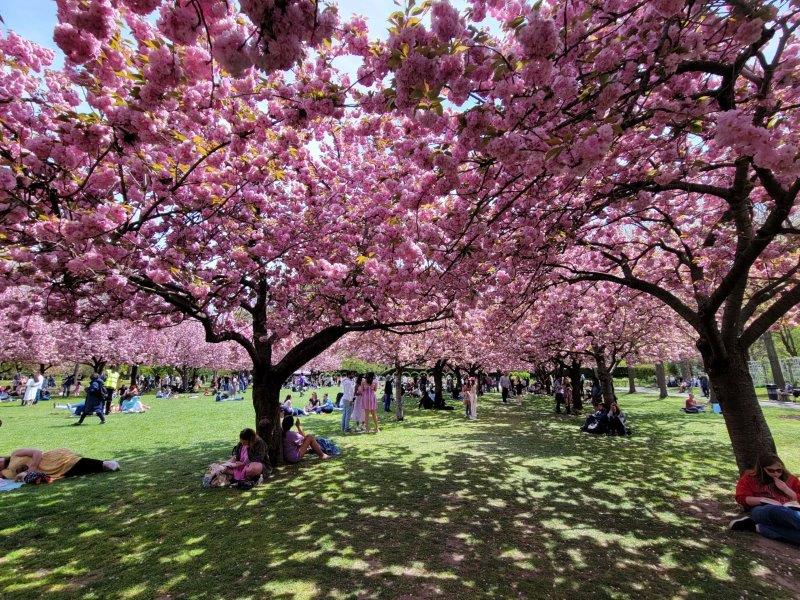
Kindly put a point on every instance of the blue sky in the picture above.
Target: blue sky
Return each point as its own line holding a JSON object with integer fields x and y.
{"x": 35, "y": 19}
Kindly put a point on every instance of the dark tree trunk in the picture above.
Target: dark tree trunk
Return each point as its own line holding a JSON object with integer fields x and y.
{"x": 438, "y": 373}
{"x": 134, "y": 374}
{"x": 686, "y": 372}
{"x": 605, "y": 378}
{"x": 42, "y": 368}
{"x": 98, "y": 365}
{"x": 631, "y": 379}
{"x": 266, "y": 401}
{"x": 661, "y": 380}
{"x": 398, "y": 392}
{"x": 577, "y": 388}
{"x": 459, "y": 381}
{"x": 774, "y": 361}
{"x": 732, "y": 387}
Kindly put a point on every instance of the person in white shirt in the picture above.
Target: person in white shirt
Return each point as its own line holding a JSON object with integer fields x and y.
{"x": 348, "y": 393}
{"x": 32, "y": 387}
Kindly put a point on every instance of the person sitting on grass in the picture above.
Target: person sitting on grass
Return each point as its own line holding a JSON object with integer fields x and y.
{"x": 249, "y": 458}
{"x": 134, "y": 405}
{"x": 692, "y": 407}
{"x": 324, "y": 407}
{"x": 313, "y": 403}
{"x": 297, "y": 443}
{"x": 53, "y": 464}
{"x": 597, "y": 422}
{"x": 770, "y": 494}
{"x": 617, "y": 421}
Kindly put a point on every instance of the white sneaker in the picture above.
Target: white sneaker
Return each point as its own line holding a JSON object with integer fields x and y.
{"x": 111, "y": 465}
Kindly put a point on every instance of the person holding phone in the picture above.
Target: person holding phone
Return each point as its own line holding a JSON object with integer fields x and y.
{"x": 770, "y": 493}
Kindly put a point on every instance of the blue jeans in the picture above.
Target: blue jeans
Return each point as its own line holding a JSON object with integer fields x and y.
{"x": 347, "y": 409}
{"x": 778, "y": 523}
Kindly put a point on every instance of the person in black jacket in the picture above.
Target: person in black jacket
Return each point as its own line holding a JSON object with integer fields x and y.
{"x": 95, "y": 399}
{"x": 387, "y": 394}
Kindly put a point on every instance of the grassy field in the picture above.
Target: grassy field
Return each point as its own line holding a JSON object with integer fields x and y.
{"x": 519, "y": 504}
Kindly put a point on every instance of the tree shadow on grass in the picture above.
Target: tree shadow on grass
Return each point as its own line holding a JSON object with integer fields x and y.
{"x": 519, "y": 504}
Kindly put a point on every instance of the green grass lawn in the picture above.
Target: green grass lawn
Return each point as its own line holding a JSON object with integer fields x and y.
{"x": 519, "y": 504}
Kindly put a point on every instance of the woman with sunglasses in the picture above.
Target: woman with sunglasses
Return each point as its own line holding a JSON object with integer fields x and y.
{"x": 771, "y": 494}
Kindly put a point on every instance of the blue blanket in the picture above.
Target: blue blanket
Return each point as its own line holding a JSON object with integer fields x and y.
{"x": 6, "y": 485}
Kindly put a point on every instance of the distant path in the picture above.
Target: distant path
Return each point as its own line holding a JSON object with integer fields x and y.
{"x": 770, "y": 403}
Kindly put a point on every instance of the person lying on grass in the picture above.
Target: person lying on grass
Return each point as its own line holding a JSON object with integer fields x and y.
{"x": 249, "y": 458}
{"x": 297, "y": 443}
{"x": 54, "y": 464}
{"x": 770, "y": 494}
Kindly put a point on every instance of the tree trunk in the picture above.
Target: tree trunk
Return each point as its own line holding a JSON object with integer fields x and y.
{"x": 42, "y": 368}
{"x": 732, "y": 387}
{"x": 266, "y": 401}
{"x": 631, "y": 379}
{"x": 577, "y": 389}
{"x": 774, "y": 362}
{"x": 438, "y": 373}
{"x": 459, "y": 381}
{"x": 661, "y": 380}
{"x": 398, "y": 392}
{"x": 606, "y": 380}
{"x": 98, "y": 365}
{"x": 686, "y": 372}
{"x": 134, "y": 374}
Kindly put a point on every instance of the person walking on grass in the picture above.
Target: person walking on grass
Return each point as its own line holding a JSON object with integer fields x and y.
{"x": 470, "y": 391}
{"x": 505, "y": 387}
{"x": 95, "y": 400}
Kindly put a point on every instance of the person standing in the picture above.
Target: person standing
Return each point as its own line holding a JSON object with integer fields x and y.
{"x": 369, "y": 401}
{"x": 358, "y": 414}
{"x": 348, "y": 392}
{"x": 558, "y": 388}
{"x": 505, "y": 387}
{"x": 112, "y": 381}
{"x": 388, "y": 394}
{"x": 66, "y": 385}
{"x": 470, "y": 391}
{"x": 32, "y": 387}
{"x": 95, "y": 399}
{"x": 566, "y": 389}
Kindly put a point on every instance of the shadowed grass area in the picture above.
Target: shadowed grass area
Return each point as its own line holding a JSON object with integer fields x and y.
{"x": 518, "y": 504}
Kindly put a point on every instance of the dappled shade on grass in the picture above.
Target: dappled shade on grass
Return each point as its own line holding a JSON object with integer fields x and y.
{"x": 517, "y": 504}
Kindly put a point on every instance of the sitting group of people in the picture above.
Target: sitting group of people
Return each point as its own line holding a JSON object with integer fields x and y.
{"x": 608, "y": 421}
{"x": 249, "y": 461}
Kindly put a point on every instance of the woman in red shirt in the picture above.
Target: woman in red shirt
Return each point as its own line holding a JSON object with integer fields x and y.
{"x": 771, "y": 494}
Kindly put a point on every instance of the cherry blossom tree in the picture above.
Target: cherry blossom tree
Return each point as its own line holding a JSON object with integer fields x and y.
{"x": 251, "y": 204}
{"x": 647, "y": 144}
